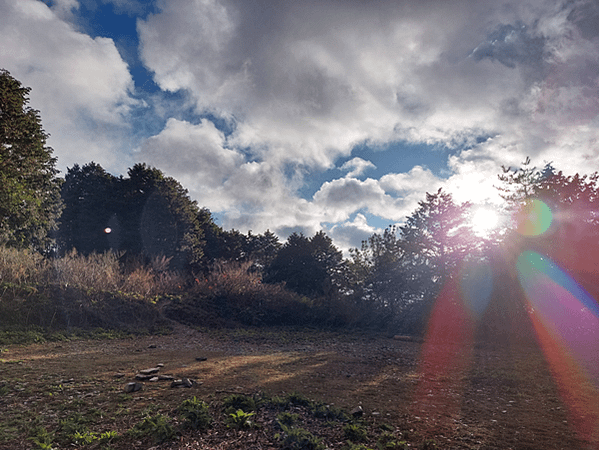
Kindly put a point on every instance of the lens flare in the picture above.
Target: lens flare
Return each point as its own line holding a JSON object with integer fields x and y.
{"x": 476, "y": 285}
{"x": 566, "y": 320}
{"x": 533, "y": 218}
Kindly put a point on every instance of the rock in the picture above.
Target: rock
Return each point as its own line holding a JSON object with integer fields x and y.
{"x": 133, "y": 387}
{"x": 149, "y": 371}
{"x": 152, "y": 346}
{"x": 165, "y": 378}
{"x": 357, "y": 411}
{"x": 160, "y": 365}
{"x": 154, "y": 379}
{"x": 201, "y": 358}
{"x": 142, "y": 377}
{"x": 183, "y": 382}
{"x": 119, "y": 375}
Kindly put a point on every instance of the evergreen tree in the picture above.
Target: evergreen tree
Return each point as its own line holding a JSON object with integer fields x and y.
{"x": 435, "y": 238}
{"x": 29, "y": 188}
{"x": 90, "y": 200}
{"x": 308, "y": 266}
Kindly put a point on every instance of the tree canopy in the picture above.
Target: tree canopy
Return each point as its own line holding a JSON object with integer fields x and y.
{"x": 29, "y": 187}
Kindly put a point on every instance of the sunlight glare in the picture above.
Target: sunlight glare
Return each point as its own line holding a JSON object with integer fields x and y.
{"x": 484, "y": 221}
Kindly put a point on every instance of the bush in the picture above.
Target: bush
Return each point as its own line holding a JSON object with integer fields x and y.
{"x": 299, "y": 439}
{"x": 194, "y": 414}
{"x": 235, "y": 402}
{"x": 355, "y": 432}
{"x": 157, "y": 427}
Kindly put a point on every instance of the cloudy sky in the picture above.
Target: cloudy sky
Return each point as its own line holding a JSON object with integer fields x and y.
{"x": 313, "y": 114}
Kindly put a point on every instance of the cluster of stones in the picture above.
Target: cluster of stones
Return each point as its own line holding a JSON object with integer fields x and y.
{"x": 151, "y": 375}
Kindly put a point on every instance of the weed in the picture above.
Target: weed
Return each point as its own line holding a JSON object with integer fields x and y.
{"x": 42, "y": 438}
{"x": 299, "y": 439}
{"x": 157, "y": 427}
{"x": 355, "y": 432}
{"x": 328, "y": 412}
{"x": 299, "y": 400}
{"x": 287, "y": 419}
{"x": 235, "y": 402}
{"x": 388, "y": 442}
{"x": 240, "y": 419}
{"x": 195, "y": 414}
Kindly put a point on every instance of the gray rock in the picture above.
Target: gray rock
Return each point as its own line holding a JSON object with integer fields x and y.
{"x": 149, "y": 371}
{"x": 183, "y": 382}
{"x": 133, "y": 387}
{"x": 357, "y": 411}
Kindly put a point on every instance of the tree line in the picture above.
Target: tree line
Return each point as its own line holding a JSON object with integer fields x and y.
{"x": 391, "y": 280}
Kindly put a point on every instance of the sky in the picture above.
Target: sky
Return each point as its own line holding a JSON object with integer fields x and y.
{"x": 300, "y": 116}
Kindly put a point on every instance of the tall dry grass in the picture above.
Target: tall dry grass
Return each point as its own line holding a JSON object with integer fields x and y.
{"x": 97, "y": 271}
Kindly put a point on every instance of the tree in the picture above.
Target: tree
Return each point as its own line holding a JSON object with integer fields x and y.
{"x": 91, "y": 208}
{"x": 435, "y": 239}
{"x": 146, "y": 214}
{"x": 29, "y": 188}
{"x": 160, "y": 219}
{"x": 308, "y": 266}
{"x": 378, "y": 274}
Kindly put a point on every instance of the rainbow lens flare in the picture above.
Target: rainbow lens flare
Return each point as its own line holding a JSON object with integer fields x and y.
{"x": 533, "y": 218}
{"x": 566, "y": 321}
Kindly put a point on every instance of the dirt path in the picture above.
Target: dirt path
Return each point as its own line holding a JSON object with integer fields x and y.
{"x": 463, "y": 397}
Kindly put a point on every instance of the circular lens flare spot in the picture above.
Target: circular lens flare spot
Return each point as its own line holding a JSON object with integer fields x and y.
{"x": 533, "y": 218}
{"x": 107, "y": 230}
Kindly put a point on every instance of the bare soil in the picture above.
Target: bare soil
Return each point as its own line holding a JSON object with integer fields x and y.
{"x": 474, "y": 396}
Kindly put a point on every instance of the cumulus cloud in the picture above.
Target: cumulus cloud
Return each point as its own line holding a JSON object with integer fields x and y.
{"x": 350, "y": 234}
{"x": 356, "y": 167}
{"x": 80, "y": 85}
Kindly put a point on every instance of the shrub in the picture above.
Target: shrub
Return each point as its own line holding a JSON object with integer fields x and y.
{"x": 157, "y": 427}
{"x": 299, "y": 439}
{"x": 194, "y": 414}
{"x": 355, "y": 432}
{"x": 240, "y": 419}
{"x": 236, "y": 402}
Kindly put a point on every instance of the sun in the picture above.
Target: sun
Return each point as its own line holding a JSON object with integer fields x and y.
{"x": 484, "y": 220}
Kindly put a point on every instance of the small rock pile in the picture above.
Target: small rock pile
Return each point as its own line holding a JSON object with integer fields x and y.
{"x": 151, "y": 375}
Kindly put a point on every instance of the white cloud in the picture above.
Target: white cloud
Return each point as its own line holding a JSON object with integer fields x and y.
{"x": 182, "y": 149}
{"x": 350, "y": 234}
{"x": 356, "y": 167}
{"x": 80, "y": 85}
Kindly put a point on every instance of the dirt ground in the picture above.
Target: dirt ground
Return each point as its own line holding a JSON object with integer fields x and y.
{"x": 462, "y": 396}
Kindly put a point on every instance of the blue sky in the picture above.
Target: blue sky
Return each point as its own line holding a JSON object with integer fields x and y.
{"x": 302, "y": 116}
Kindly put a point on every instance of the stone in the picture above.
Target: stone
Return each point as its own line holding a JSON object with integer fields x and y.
{"x": 149, "y": 371}
{"x": 142, "y": 377}
{"x": 152, "y": 346}
{"x": 201, "y": 358}
{"x": 183, "y": 382}
{"x": 154, "y": 379}
{"x": 357, "y": 411}
{"x": 133, "y": 387}
{"x": 119, "y": 375}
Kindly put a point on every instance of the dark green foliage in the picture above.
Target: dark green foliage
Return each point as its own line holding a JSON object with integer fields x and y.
{"x": 355, "y": 432}
{"x": 146, "y": 214}
{"x": 287, "y": 419}
{"x": 195, "y": 414}
{"x": 308, "y": 266}
{"x": 235, "y": 402}
{"x": 158, "y": 428}
{"x": 299, "y": 439}
{"x": 91, "y": 203}
{"x": 29, "y": 188}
